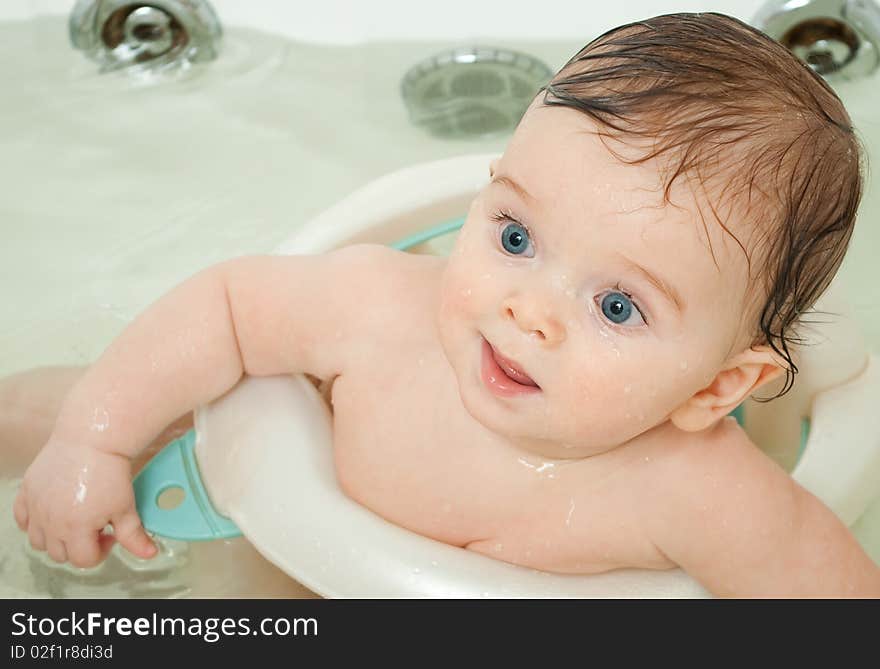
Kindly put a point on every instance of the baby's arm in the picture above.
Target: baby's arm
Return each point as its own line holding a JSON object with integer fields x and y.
{"x": 741, "y": 526}
{"x": 257, "y": 315}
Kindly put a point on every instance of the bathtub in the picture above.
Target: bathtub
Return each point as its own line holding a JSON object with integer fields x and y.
{"x": 114, "y": 192}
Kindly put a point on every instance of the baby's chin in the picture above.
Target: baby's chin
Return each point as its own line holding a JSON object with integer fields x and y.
{"x": 531, "y": 430}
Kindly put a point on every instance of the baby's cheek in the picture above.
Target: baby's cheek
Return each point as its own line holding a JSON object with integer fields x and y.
{"x": 460, "y": 294}
{"x": 616, "y": 401}
{"x": 453, "y": 304}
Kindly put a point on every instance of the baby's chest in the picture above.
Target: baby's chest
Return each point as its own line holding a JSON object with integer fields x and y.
{"x": 406, "y": 448}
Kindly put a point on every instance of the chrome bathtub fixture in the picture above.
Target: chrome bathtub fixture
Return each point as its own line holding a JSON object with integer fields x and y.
{"x": 837, "y": 38}
{"x": 158, "y": 34}
{"x": 472, "y": 92}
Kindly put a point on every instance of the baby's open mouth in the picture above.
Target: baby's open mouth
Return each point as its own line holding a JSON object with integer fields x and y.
{"x": 509, "y": 368}
{"x": 512, "y": 370}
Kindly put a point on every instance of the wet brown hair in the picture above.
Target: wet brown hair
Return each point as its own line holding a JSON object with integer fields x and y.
{"x": 732, "y": 108}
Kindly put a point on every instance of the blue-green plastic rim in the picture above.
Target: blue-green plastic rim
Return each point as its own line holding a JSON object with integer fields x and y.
{"x": 427, "y": 235}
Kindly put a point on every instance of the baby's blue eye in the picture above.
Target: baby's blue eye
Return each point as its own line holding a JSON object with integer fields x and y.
{"x": 617, "y": 307}
{"x": 515, "y": 239}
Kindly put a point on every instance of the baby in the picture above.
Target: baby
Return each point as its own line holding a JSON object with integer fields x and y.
{"x": 669, "y": 205}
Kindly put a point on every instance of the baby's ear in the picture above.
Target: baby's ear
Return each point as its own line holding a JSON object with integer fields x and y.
{"x": 740, "y": 377}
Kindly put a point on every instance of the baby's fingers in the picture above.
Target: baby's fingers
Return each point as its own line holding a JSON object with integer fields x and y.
{"x": 36, "y": 537}
{"x": 56, "y": 550}
{"x": 89, "y": 551}
{"x": 130, "y": 533}
{"x": 19, "y": 510}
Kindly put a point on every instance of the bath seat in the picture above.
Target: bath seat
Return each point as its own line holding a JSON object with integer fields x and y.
{"x": 265, "y": 456}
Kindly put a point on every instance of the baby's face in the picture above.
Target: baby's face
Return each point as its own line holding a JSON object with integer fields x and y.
{"x": 543, "y": 284}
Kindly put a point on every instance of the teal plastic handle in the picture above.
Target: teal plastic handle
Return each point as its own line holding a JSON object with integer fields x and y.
{"x": 195, "y": 518}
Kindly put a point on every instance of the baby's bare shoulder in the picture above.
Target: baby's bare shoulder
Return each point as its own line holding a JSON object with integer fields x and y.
{"x": 389, "y": 297}
{"x": 320, "y": 314}
{"x": 392, "y": 284}
{"x": 720, "y": 456}
{"x": 400, "y": 272}
{"x": 709, "y": 485}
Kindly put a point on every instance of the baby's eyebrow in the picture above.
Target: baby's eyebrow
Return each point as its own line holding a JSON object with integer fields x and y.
{"x": 505, "y": 180}
{"x": 666, "y": 289}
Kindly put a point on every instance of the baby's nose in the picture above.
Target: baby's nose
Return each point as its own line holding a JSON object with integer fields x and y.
{"x": 532, "y": 317}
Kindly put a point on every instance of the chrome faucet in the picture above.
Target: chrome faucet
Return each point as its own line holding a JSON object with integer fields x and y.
{"x": 154, "y": 34}
{"x": 837, "y": 38}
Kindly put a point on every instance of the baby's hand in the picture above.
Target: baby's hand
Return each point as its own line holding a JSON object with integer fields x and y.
{"x": 67, "y": 497}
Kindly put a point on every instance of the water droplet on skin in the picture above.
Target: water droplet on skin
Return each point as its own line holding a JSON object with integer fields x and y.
{"x": 525, "y": 463}
{"x": 627, "y": 389}
{"x": 81, "y": 487}
{"x": 498, "y": 548}
{"x": 487, "y": 276}
{"x": 421, "y": 362}
{"x": 570, "y": 511}
{"x": 683, "y": 365}
{"x": 466, "y": 292}
{"x": 100, "y": 420}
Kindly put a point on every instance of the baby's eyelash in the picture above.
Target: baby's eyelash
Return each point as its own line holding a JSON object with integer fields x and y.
{"x": 503, "y": 215}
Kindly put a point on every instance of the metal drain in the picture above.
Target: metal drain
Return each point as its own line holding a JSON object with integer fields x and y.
{"x": 839, "y": 39}
{"x": 472, "y": 92}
